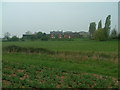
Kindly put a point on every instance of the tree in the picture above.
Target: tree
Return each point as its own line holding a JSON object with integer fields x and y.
{"x": 114, "y": 33}
{"x": 14, "y": 38}
{"x": 44, "y": 37}
{"x": 92, "y": 28}
{"x": 107, "y": 26}
{"x": 7, "y": 36}
{"x": 100, "y": 24}
{"x": 38, "y": 35}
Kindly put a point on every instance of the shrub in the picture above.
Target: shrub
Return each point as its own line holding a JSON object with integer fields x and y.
{"x": 114, "y": 34}
{"x": 14, "y": 38}
{"x": 44, "y": 38}
{"x": 14, "y": 48}
{"x": 100, "y": 35}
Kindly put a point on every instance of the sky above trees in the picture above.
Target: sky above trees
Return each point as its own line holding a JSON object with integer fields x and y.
{"x": 17, "y": 18}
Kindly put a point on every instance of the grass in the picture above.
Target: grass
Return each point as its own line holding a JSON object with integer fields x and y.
{"x": 91, "y": 66}
{"x": 74, "y": 64}
{"x": 74, "y": 46}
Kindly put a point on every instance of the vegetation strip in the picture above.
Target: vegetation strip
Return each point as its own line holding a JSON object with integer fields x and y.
{"x": 65, "y": 54}
{"x": 38, "y": 76}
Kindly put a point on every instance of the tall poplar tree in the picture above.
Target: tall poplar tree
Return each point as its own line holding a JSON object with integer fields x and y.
{"x": 92, "y": 28}
{"x": 100, "y": 24}
{"x": 107, "y": 26}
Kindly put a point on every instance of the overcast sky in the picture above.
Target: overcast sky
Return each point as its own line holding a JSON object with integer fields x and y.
{"x": 17, "y": 18}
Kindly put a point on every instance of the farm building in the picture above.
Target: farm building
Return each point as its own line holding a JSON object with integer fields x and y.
{"x": 56, "y": 34}
{"x": 68, "y": 34}
{"x": 28, "y": 36}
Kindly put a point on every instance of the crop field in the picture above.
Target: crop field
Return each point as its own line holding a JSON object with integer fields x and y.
{"x": 60, "y": 64}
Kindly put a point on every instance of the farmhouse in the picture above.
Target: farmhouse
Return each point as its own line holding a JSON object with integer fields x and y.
{"x": 59, "y": 34}
{"x": 68, "y": 34}
{"x": 56, "y": 34}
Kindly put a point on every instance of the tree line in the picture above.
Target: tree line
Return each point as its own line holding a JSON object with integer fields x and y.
{"x": 103, "y": 33}
{"x": 27, "y": 36}
{"x": 100, "y": 33}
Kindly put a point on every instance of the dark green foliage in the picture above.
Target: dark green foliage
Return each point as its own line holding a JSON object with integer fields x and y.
{"x": 92, "y": 28}
{"x": 102, "y": 34}
{"x": 14, "y": 48}
{"x": 36, "y": 36}
{"x": 14, "y": 38}
{"x": 108, "y": 22}
{"x": 107, "y": 26}
{"x": 44, "y": 37}
{"x": 100, "y": 24}
{"x": 41, "y": 36}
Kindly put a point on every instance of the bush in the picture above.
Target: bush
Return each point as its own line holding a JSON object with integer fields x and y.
{"x": 44, "y": 38}
{"x": 14, "y": 38}
{"x": 14, "y": 48}
{"x": 99, "y": 35}
{"x": 114, "y": 34}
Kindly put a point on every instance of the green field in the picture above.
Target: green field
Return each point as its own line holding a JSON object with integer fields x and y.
{"x": 72, "y": 64}
{"x": 74, "y": 46}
